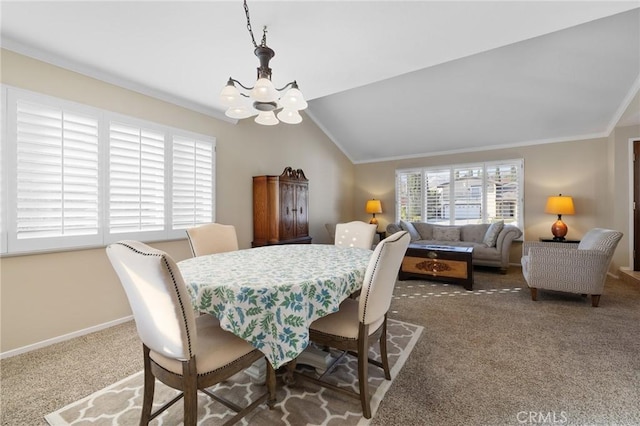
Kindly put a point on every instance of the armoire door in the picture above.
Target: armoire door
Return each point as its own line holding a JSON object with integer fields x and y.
{"x": 287, "y": 213}
{"x": 302, "y": 217}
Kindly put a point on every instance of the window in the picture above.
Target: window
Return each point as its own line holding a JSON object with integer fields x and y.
{"x": 75, "y": 176}
{"x": 192, "y": 182}
{"x": 460, "y": 194}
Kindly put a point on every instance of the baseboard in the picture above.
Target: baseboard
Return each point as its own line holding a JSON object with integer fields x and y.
{"x": 64, "y": 337}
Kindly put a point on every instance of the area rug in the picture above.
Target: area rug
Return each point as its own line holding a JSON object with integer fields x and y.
{"x": 300, "y": 404}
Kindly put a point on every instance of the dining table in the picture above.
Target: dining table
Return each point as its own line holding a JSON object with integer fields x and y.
{"x": 270, "y": 295}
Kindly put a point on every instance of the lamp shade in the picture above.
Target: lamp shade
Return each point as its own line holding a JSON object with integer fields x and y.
{"x": 293, "y": 99}
{"x": 374, "y": 206}
{"x": 266, "y": 118}
{"x": 264, "y": 91}
{"x": 289, "y": 116}
{"x": 230, "y": 96}
{"x": 560, "y": 204}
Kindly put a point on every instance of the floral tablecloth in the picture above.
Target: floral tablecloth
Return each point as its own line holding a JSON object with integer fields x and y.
{"x": 270, "y": 295}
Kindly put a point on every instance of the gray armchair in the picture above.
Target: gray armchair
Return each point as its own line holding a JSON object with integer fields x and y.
{"x": 573, "y": 268}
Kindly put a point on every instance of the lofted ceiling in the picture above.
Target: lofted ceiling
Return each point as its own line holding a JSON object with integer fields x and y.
{"x": 384, "y": 79}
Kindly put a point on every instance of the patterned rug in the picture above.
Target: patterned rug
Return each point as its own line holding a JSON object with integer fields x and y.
{"x": 302, "y": 403}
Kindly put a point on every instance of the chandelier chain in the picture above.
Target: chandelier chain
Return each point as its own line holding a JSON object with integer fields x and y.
{"x": 263, "y": 42}
{"x": 246, "y": 12}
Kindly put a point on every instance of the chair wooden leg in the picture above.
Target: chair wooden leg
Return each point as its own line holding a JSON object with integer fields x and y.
{"x": 363, "y": 370}
{"x": 190, "y": 389}
{"x": 595, "y": 300}
{"x": 149, "y": 387}
{"x": 383, "y": 350}
{"x": 534, "y": 294}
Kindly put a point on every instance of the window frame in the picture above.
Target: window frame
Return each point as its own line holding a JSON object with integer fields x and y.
{"x": 10, "y": 244}
{"x": 484, "y": 166}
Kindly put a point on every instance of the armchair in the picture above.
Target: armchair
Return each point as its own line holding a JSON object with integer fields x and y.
{"x": 574, "y": 268}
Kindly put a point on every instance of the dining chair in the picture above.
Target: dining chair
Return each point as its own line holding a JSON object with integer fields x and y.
{"x": 358, "y": 324}
{"x": 181, "y": 350}
{"x": 212, "y": 238}
{"x": 355, "y": 234}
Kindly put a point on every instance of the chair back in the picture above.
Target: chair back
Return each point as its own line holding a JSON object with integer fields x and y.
{"x": 380, "y": 277}
{"x": 158, "y": 297}
{"x": 601, "y": 239}
{"x": 212, "y": 238}
{"x": 355, "y": 234}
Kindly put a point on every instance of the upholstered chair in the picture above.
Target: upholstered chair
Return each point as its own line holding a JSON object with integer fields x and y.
{"x": 181, "y": 350}
{"x": 212, "y": 238}
{"x": 355, "y": 234}
{"x": 358, "y": 324}
{"x": 574, "y": 268}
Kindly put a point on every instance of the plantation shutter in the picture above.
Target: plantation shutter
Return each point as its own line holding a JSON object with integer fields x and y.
{"x": 409, "y": 195}
{"x": 136, "y": 179}
{"x": 193, "y": 180}
{"x": 57, "y": 172}
{"x": 504, "y": 191}
{"x": 468, "y": 193}
{"x": 437, "y": 198}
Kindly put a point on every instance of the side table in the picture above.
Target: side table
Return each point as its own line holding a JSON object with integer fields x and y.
{"x": 551, "y": 240}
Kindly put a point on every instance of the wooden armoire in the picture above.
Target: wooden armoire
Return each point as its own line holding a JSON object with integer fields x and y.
{"x": 280, "y": 209}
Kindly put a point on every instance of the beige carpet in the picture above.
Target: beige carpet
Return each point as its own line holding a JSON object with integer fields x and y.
{"x": 303, "y": 403}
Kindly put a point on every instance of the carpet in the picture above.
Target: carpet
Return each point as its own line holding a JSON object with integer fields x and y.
{"x": 303, "y": 403}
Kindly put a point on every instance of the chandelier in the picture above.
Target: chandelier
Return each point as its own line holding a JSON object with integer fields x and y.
{"x": 263, "y": 98}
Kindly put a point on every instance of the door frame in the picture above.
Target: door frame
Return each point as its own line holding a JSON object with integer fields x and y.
{"x": 634, "y": 204}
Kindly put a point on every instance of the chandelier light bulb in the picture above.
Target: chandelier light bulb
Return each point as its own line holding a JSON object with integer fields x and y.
{"x": 266, "y": 118}
{"x": 289, "y": 116}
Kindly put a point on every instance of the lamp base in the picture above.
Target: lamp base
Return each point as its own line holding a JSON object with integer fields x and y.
{"x": 373, "y": 221}
{"x": 559, "y": 229}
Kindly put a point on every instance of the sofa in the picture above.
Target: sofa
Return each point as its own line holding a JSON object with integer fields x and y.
{"x": 491, "y": 242}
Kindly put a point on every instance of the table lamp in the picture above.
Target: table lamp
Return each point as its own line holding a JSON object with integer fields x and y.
{"x": 373, "y": 207}
{"x": 560, "y": 204}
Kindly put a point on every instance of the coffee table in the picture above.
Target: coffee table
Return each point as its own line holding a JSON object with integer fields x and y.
{"x": 437, "y": 262}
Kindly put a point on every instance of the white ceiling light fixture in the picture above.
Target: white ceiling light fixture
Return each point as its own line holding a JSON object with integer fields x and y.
{"x": 263, "y": 98}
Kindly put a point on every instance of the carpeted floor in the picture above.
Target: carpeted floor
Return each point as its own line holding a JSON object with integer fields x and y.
{"x": 302, "y": 403}
{"x": 487, "y": 357}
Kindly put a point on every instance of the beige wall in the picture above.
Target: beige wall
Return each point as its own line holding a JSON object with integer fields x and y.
{"x": 582, "y": 169}
{"x": 48, "y": 295}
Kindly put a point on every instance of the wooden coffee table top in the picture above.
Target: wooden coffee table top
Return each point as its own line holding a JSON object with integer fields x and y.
{"x": 441, "y": 248}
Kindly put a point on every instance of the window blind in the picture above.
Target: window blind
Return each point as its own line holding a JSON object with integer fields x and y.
{"x": 459, "y": 194}
{"x": 74, "y": 176}
{"x": 409, "y": 195}
{"x": 136, "y": 179}
{"x": 193, "y": 180}
{"x": 57, "y": 172}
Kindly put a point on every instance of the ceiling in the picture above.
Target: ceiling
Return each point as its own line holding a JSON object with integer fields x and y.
{"x": 384, "y": 79}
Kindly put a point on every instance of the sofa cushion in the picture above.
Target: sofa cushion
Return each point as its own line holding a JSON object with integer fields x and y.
{"x": 446, "y": 233}
{"x": 491, "y": 235}
{"x": 408, "y": 226}
{"x": 424, "y": 229}
{"x": 473, "y": 232}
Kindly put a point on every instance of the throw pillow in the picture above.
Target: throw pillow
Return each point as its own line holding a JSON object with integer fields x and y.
{"x": 492, "y": 233}
{"x": 446, "y": 233}
{"x": 425, "y": 230}
{"x": 408, "y": 226}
